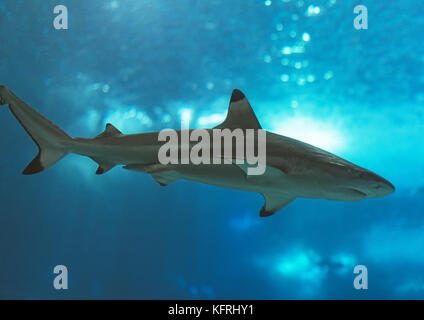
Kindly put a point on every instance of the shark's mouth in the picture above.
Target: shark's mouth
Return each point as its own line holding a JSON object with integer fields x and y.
{"x": 356, "y": 194}
{"x": 346, "y": 194}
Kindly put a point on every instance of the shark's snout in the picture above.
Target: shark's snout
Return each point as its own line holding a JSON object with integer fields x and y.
{"x": 377, "y": 186}
{"x": 385, "y": 186}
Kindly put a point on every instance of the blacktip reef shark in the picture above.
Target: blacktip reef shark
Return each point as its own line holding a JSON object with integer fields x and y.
{"x": 294, "y": 169}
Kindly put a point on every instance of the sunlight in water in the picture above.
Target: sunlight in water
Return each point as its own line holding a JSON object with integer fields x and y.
{"x": 317, "y": 133}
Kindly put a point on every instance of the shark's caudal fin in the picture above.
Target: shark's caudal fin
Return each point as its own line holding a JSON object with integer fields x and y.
{"x": 52, "y": 142}
{"x": 240, "y": 113}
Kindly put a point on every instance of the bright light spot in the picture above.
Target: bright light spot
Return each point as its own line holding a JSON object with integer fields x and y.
{"x": 295, "y": 264}
{"x": 298, "y": 65}
{"x": 298, "y": 49}
{"x": 130, "y": 119}
{"x": 285, "y": 77}
{"x": 301, "y": 81}
{"x": 343, "y": 263}
{"x": 317, "y": 133}
{"x": 328, "y": 75}
{"x": 267, "y": 58}
{"x": 295, "y": 49}
{"x": 286, "y": 50}
{"x": 213, "y": 119}
{"x": 312, "y": 10}
{"x": 279, "y": 27}
{"x": 185, "y": 116}
{"x": 166, "y": 118}
{"x": 268, "y": 3}
{"x": 210, "y": 85}
{"x": 306, "y": 37}
{"x": 94, "y": 86}
{"x": 303, "y": 265}
{"x": 310, "y": 78}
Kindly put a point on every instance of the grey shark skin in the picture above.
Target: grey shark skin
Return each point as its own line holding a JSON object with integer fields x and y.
{"x": 293, "y": 168}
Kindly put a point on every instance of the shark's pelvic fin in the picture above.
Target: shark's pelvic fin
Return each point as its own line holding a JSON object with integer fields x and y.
{"x": 149, "y": 168}
{"x": 240, "y": 114}
{"x": 110, "y": 131}
{"x": 163, "y": 174}
{"x": 274, "y": 202}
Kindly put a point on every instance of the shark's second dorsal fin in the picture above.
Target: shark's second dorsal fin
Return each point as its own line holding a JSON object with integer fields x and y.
{"x": 240, "y": 113}
{"x": 110, "y": 131}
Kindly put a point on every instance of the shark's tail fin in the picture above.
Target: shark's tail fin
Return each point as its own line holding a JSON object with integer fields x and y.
{"x": 53, "y": 143}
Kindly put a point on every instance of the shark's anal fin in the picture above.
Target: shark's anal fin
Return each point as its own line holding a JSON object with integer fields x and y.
{"x": 240, "y": 114}
{"x": 163, "y": 178}
{"x": 104, "y": 166}
{"x": 274, "y": 202}
{"x": 163, "y": 174}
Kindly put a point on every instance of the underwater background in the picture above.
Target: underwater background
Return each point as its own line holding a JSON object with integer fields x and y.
{"x": 142, "y": 65}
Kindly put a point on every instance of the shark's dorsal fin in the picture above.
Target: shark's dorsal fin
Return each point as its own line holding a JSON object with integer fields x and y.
{"x": 110, "y": 131}
{"x": 240, "y": 114}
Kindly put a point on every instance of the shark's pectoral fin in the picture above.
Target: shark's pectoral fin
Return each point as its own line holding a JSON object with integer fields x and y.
{"x": 163, "y": 174}
{"x": 104, "y": 166}
{"x": 274, "y": 202}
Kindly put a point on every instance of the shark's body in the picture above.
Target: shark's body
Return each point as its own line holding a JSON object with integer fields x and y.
{"x": 293, "y": 168}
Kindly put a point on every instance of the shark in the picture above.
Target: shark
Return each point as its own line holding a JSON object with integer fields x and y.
{"x": 294, "y": 169}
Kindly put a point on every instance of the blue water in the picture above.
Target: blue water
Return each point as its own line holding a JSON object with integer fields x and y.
{"x": 142, "y": 65}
